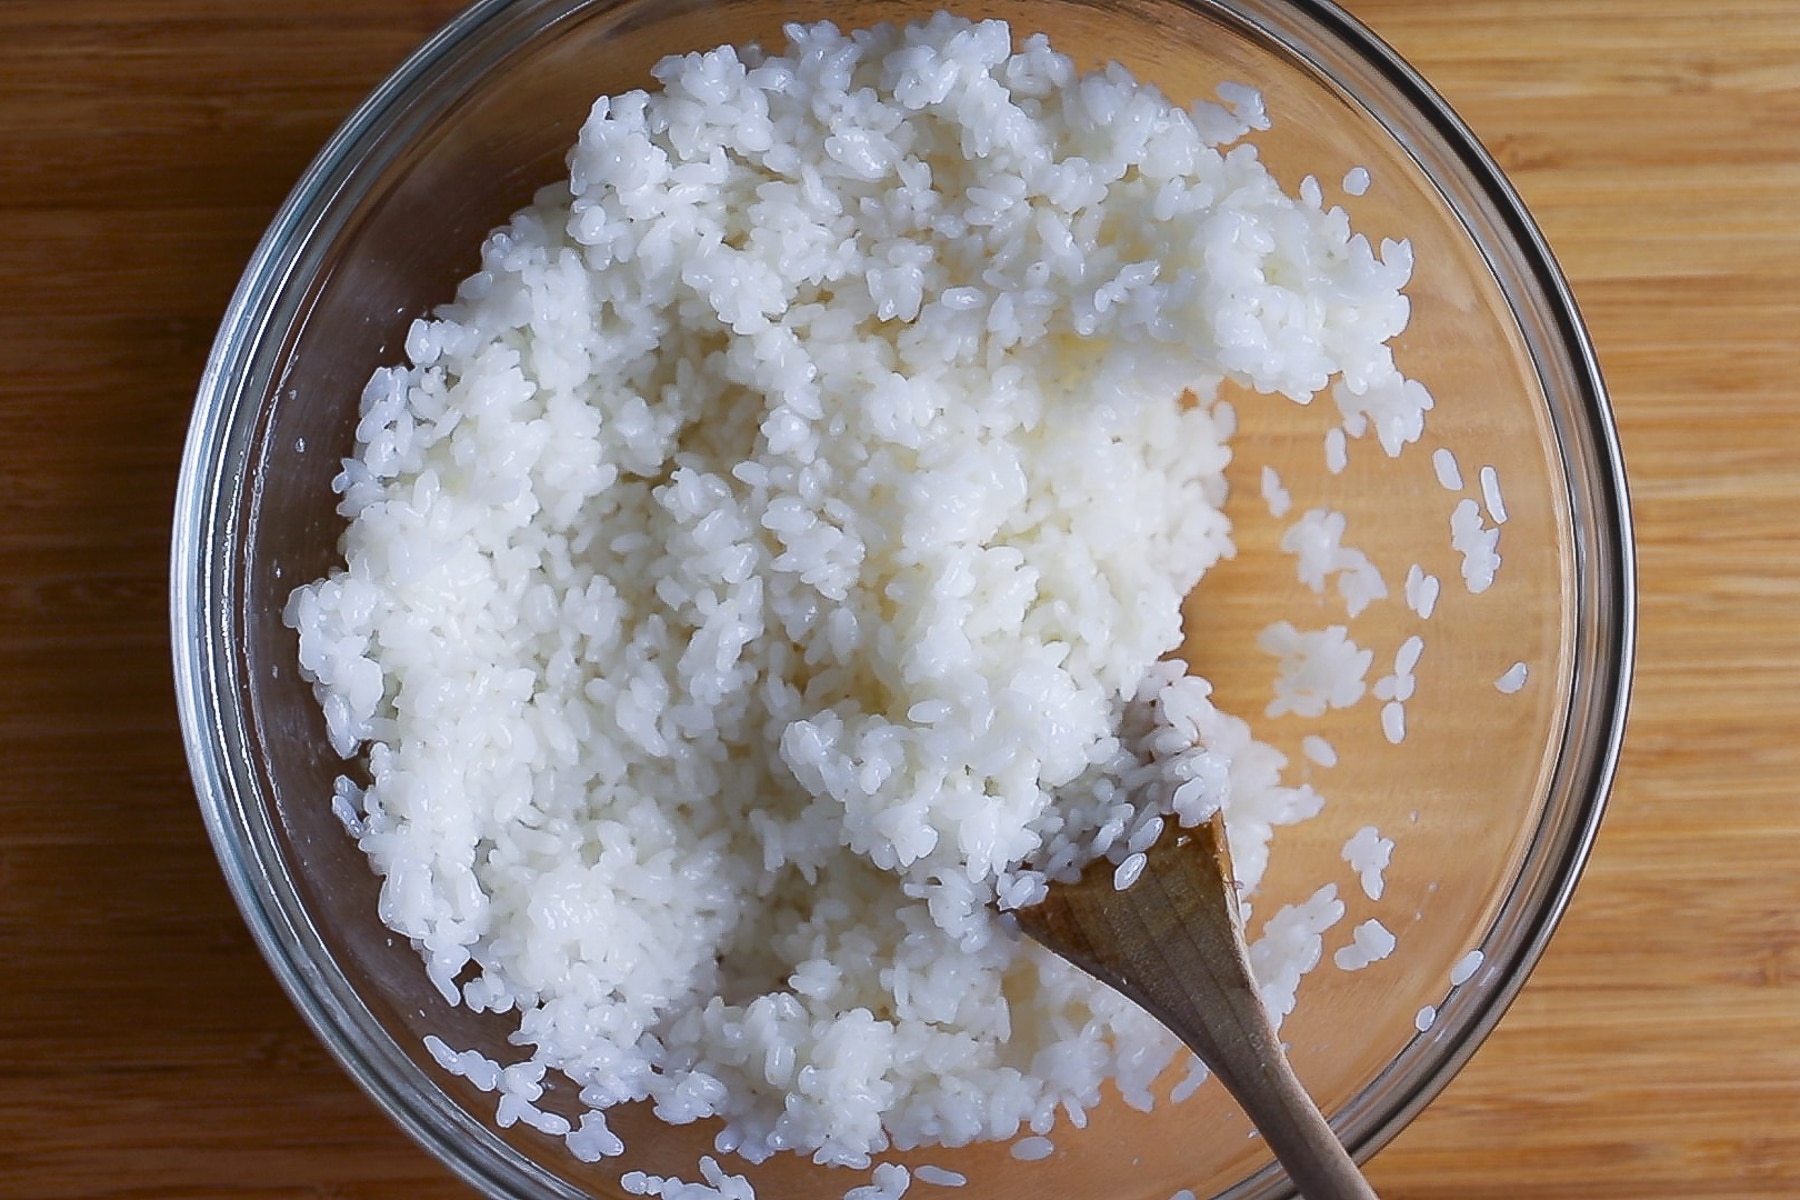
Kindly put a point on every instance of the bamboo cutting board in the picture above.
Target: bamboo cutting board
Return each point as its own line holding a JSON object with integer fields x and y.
{"x": 145, "y": 1051}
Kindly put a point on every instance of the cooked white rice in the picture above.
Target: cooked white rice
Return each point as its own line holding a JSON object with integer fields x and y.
{"x": 1370, "y": 942}
{"x": 718, "y": 1185}
{"x": 890, "y": 1182}
{"x": 1408, "y": 655}
{"x": 1395, "y": 687}
{"x": 1393, "y": 721}
{"x": 1465, "y": 967}
{"x": 1421, "y": 592}
{"x": 1291, "y": 945}
{"x": 1369, "y": 854}
{"x": 1400, "y": 685}
{"x": 1490, "y": 495}
{"x": 1274, "y": 494}
{"x": 1316, "y": 540}
{"x": 1320, "y": 668}
{"x": 1197, "y": 1074}
{"x": 940, "y": 1177}
{"x": 1318, "y": 750}
{"x": 1449, "y": 474}
{"x": 1478, "y": 543}
{"x": 756, "y": 581}
{"x": 1337, "y": 455}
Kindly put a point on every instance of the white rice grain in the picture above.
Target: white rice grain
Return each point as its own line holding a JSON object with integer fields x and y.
{"x": 1370, "y": 943}
{"x": 1490, "y": 494}
{"x": 940, "y": 1177}
{"x": 1393, "y": 721}
{"x": 1407, "y": 657}
{"x": 1421, "y": 592}
{"x": 1127, "y": 872}
{"x": 890, "y": 1181}
{"x": 1319, "y": 669}
{"x": 591, "y": 1140}
{"x": 1224, "y": 419}
{"x": 1449, "y": 474}
{"x": 440, "y": 1051}
{"x": 1316, "y": 540}
{"x": 1196, "y": 1077}
{"x": 1395, "y": 687}
{"x": 1369, "y": 854}
{"x": 718, "y": 1185}
{"x": 1477, "y": 543}
{"x": 1336, "y": 452}
{"x": 1465, "y": 968}
{"x": 1274, "y": 494}
{"x": 1292, "y": 943}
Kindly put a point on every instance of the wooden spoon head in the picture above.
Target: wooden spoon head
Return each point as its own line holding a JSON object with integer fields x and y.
{"x": 1173, "y": 941}
{"x": 1118, "y": 934}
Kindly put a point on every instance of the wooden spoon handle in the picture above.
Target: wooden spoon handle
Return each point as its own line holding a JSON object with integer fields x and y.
{"x": 1173, "y": 943}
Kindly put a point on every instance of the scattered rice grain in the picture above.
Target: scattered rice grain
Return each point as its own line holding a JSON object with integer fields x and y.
{"x": 1369, "y": 854}
{"x": 1477, "y": 543}
{"x": 940, "y": 1177}
{"x": 1490, "y": 493}
{"x": 1336, "y": 452}
{"x": 890, "y": 1181}
{"x": 1393, "y": 721}
{"x": 1127, "y": 872}
{"x": 1465, "y": 968}
{"x": 1274, "y": 494}
{"x": 1370, "y": 943}
{"x": 1319, "y": 669}
{"x": 1449, "y": 474}
{"x": 1421, "y": 592}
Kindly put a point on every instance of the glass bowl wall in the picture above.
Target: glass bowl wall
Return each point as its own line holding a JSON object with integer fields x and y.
{"x": 1493, "y": 798}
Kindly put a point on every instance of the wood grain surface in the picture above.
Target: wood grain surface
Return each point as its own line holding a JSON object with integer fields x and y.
{"x": 145, "y": 1051}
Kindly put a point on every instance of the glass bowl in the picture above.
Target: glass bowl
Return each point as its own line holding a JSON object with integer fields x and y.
{"x": 1493, "y": 798}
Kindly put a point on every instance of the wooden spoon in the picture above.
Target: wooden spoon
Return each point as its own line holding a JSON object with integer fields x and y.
{"x": 1173, "y": 942}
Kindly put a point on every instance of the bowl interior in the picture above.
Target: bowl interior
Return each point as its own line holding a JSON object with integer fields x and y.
{"x": 1488, "y": 804}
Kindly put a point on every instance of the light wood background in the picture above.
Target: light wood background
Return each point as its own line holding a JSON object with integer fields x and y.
{"x": 146, "y": 1052}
